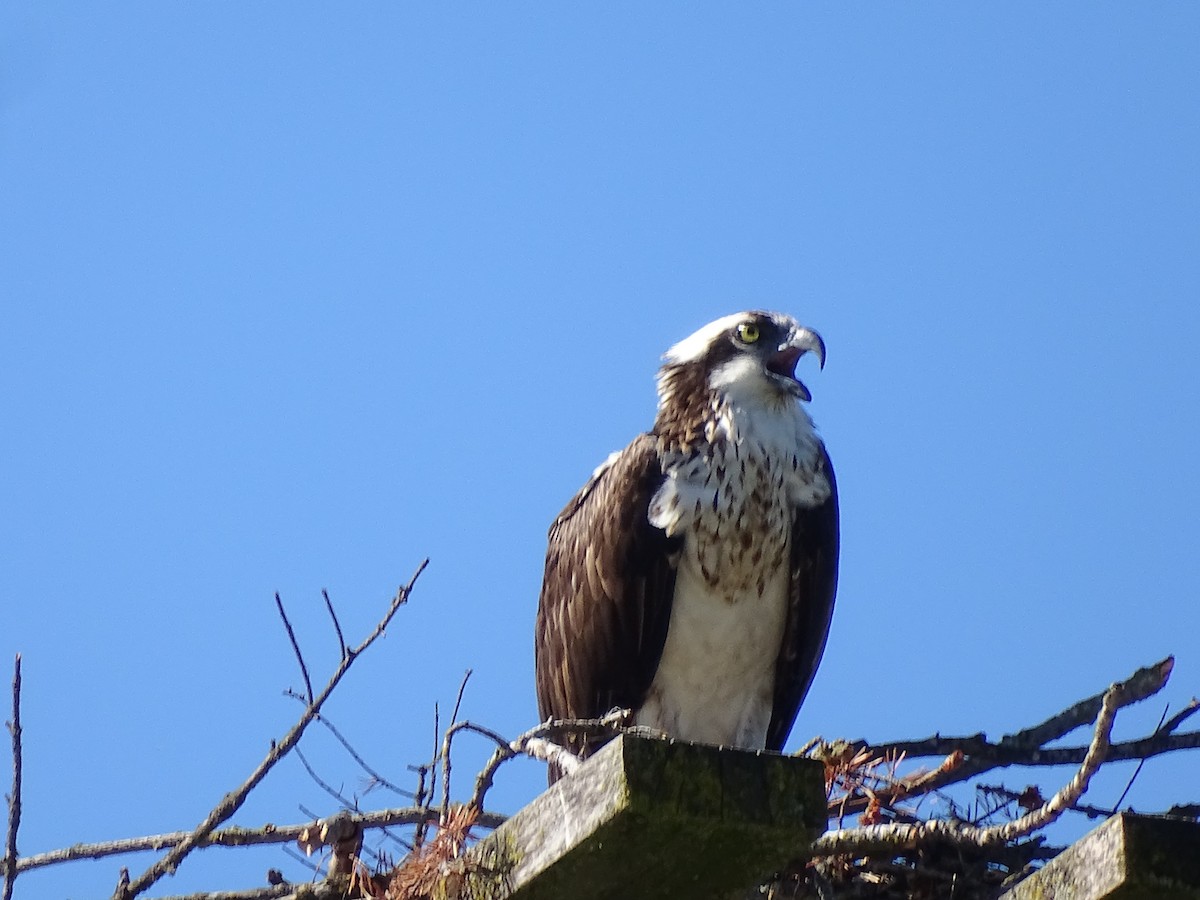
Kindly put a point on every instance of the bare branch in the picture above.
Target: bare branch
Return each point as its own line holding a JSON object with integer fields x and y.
{"x": 462, "y": 687}
{"x": 14, "y": 799}
{"x": 1013, "y": 746}
{"x": 920, "y": 783}
{"x": 1141, "y": 685}
{"x": 300, "y": 859}
{"x": 893, "y": 837}
{"x": 430, "y": 768}
{"x": 468, "y": 725}
{"x": 534, "y": 743}
{"x": 422, "y": 796}
{"x": 321, "y": 783}
{"x": 337, "y": 626}
{"x": 308, "y": 691}
{"x": 996, "y": 756}
{"x": 554, "y": 754}
{"x": 375, "y": 778}
{"x": 446, "y": 745}
{"x": 235, "y": 836}
{"x": 1192, "y": 707}
{"x": 233, "y": 801}
{"x": 274, "y": 892}
{"x": 1141, "y": 762}
{"x": 1087, "y": 809}
{"x": 1023, "y": 748}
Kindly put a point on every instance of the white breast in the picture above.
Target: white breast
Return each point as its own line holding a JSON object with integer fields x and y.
{"x": 716, "y": 680}
{"x": 733, "y": 503}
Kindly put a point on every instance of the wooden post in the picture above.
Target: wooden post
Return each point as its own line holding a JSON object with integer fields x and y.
{"x": 650, "y": 818}
{"x": 1129, "y": 857}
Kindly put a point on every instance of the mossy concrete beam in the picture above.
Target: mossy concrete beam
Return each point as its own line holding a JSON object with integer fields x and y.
{"x": 1129, "y": 857}
{"x": 656, "y": 818}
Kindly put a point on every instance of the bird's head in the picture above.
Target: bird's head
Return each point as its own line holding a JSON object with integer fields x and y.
{"x": 749, "y": 354}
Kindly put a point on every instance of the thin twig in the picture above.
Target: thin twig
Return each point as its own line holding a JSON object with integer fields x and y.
{"x": 430, "y": 768}
{"x": 1192, "y": 707}
{"x": 337, "y": 626}
{"x": 304, "y": 891}
{"x": 308, "y": 690}
{"x": 535, "y": 743}
{"x": 919, "y": 783}
{"x": 889, "y": 838}
{"x": 808, "y": 747}
{"x": 233, "y": 801}
{"x": 376, "y": 778}
{"x": 1115, "y": 697}
{"x": 274, "y": 892}
{"x": 446, "y": 746}
{"x": 234, "y": 836}
{"x": 421, "y": 796}
{"x": 1012, "y": 746}
{"x": 297, "y": 856}
{"x": 1022, "y": 749}
{"x": 982, "y": 756}
{"x": 493, "y": 736}
{"x": 327, "y": 788}
{"x": 1138, "y": 749}
{"x": 14, "y": 799}
{"x": 1141, "y": 762}
{"x": 1086, "y": 809}
{"x": 462, "y": 687}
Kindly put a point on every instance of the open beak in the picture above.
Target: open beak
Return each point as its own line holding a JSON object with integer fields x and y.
{"x": 782, "y": 363}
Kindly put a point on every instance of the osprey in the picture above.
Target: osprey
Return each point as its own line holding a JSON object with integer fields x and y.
{"x": 692, "y": 579}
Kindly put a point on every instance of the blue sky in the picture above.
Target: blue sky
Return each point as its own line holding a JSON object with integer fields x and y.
{"x": 294, "y": 296}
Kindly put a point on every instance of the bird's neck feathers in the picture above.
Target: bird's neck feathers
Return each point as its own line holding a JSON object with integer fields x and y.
{"x": 699, "y": 407}
{"x": 686, "y": 405}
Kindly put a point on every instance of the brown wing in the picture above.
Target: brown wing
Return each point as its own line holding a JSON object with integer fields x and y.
{"x": 814, "y": 583}
{"x": 606, "y": 594}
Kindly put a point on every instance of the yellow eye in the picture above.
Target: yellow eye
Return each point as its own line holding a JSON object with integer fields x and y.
{"x": 747, "y": 332}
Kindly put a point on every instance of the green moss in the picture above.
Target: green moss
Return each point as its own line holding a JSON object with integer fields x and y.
{"x": 648, "y": 818}
{"x": 690, "y": 821}
{"x": 1162, "y": 858}
{"x": 1129, "y": 857}
{"x": 485, "y": 873}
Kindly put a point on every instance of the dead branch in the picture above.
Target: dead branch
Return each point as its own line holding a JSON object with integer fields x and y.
{"x": 287, "y": 625}
{"x": 892, "y": 838}
{"x": 535, "y": 743}
{"x": 303, "y": 891}
{"x": 321, "y": 783}
{"x": 233, "y": 801}
{"x": 425, "y": 792}
{"x": 1089, "y": 810}
{"x": 1142, "y": 762}
{"x": 337, "y": 626}
{"x": 445, "y": 752}
{"x": 1140, "y": 749}
{"x": 1026, "y": 747}
{"x": 235, "y": 836}
{"x": 877, "y": 786}
{"x": 374, "y": 778}
{"x": 14, "y": 798}
{"x": 275, "y": 892}
{"x": 342, "y": 834}
{"x": 1022, "y": 746}
{"x": 979, "y": 750}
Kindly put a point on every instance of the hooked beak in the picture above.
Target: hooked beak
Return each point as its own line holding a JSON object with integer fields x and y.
{"x": 782, "y": 363}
